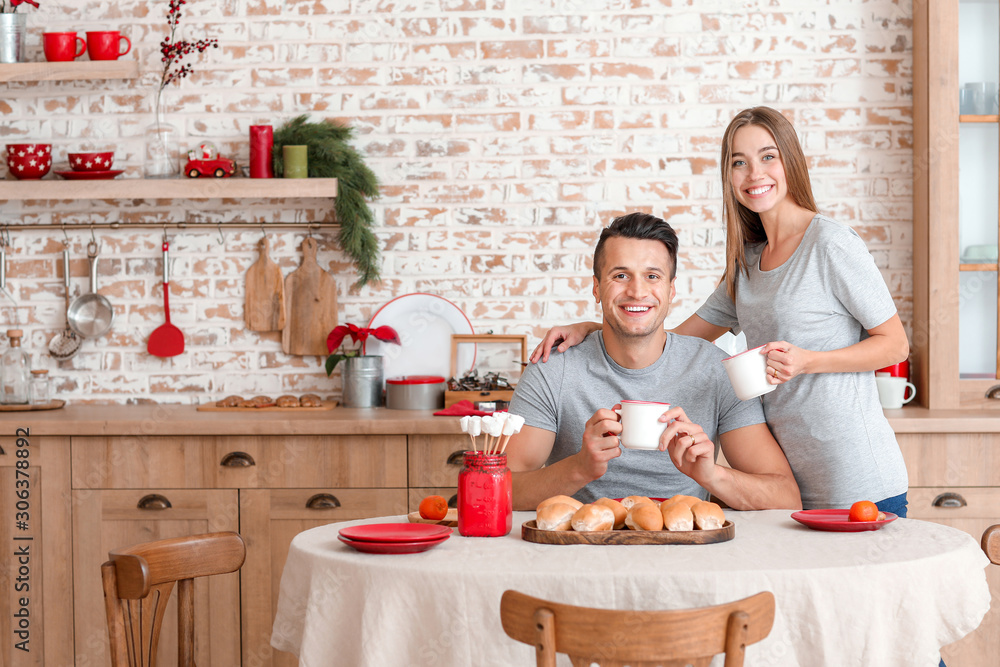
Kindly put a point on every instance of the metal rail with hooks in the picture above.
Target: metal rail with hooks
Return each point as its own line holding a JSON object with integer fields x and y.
{"x": 183, "y": 226}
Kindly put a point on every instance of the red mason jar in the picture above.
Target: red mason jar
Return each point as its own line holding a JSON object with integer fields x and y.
{"x": 485, "y": 504}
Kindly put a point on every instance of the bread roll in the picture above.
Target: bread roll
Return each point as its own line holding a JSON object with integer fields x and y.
{"x": 617, "y": 508}
{"x": 687, "y": 500}
{"x": 230, "y": 402}
{"x": 310, "y": 401}
{"x": 632, "y": 501}
{"x": 707, "y": 516}
{"x": 593, "y": 517}
{"x": 560, "y": 499}
{"x": 262, "y": 401}
{"x": 555, "y": 516}
{"x": 644, "y": 516}
{"x": 676, "y": 516}
{"x": 287, "y": 401}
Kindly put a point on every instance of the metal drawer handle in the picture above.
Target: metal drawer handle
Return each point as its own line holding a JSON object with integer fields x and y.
{"x": 949, "y": 500}
{"x": 154, "y": 501}
{"x": 453, "y": 501}
{"x": 993, "y": 392}
{"x": 323, "y": 501}
{"x": 237, "y": 460}
{"x": 456, "y": 458}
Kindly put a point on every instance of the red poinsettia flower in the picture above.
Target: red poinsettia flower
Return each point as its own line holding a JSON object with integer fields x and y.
{"x": 15, "y": 3}
{"x": 358, "y": 335}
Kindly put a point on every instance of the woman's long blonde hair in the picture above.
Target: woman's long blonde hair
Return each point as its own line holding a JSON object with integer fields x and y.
{"x": 743, "y": 226}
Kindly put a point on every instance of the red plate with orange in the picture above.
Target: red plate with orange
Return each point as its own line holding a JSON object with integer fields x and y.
{"x": 836, "y": 521}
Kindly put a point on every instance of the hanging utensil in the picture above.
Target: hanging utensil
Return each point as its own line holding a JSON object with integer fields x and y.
{"x": 166, "y": 340}
{"x": 65, "y": 344}
{"x": 91, "y": 315}
{"x": 265, "y": 300}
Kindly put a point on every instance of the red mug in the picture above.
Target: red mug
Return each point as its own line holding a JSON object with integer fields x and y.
{"x": 62, "y": 46}
{"x": 900, "y": 370}
{"x": 106, "y": 45}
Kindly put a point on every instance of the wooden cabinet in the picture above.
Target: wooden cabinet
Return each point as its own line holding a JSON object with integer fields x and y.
{"x": 135, "y": 489}
{"x": 955, "y": 206}
{"x": 36, "y": 585}
{"x": 955, "y": 480}
{"x": 434, "y": 464}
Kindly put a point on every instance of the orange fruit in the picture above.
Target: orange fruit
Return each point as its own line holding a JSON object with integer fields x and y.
{"x": 863, "y": 510}
{"x": 434, "y": 508}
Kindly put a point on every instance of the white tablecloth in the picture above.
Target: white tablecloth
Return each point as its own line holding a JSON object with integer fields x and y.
{"x": 889, "y": 598}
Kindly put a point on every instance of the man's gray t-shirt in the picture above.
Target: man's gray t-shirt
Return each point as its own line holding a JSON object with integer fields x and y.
{"x": 563, "y": 393}
{"x": 830, "y": 425}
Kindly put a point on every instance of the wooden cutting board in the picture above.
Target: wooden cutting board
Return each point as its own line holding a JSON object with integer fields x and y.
{"x": 265, "y": 301}
{"x": 310, "y": 306}
{"x": 531, "y": 533}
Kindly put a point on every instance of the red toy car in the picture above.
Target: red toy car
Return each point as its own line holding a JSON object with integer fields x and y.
{"x": 218, "y": 167}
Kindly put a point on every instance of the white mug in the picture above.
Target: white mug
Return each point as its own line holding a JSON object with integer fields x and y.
{"x": 892, "y": 392}
{"x": 748, "y": 374}
{"x": 641, "y": 427}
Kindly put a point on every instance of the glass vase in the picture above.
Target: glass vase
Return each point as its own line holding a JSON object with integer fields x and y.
{"x": 161, "y": 145}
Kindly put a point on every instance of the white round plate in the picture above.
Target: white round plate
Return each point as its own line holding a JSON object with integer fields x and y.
{"x": 425, "y": 323}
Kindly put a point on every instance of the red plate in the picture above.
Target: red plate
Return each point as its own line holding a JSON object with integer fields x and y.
{"x": 393, "y": 547}
{"x": 836, "y": 521}
{"x": 90, "y": 175}
{"x": 396, "y": 532}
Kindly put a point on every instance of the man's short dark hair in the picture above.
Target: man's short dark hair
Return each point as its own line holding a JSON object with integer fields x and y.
{"x": 644, "y": 227}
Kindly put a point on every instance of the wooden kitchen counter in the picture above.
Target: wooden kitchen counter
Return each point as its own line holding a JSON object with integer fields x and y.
{"x": 922, "y": 420}
{"x": 80, "y": 420}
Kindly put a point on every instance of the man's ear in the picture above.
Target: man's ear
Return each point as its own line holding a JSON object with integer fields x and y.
{"x": 673, "y": 288}
{"x": 597, "y": 291}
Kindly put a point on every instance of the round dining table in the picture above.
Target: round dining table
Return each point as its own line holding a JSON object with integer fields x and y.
{"x": 890, "y": 597}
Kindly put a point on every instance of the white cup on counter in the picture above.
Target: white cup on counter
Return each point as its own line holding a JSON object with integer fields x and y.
{"x": 892, "y": 392}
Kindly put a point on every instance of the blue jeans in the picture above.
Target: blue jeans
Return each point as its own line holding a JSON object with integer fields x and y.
{"x": 896, "y": 505}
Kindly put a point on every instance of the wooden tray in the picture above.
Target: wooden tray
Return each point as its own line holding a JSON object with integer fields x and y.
{"x": 52, "y": 405}
{"x": 212, "y": 407}
{"x": 530, "y": 533}
{"x": 450, "y": 519}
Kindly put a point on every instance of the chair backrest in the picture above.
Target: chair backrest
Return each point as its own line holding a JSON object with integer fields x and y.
{"x": 137, "y": 585}
{"x": 613, "y": 638}
{"x": 991, "y": 543}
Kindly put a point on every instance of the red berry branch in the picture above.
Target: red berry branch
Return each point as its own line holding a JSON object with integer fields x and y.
{"x": 173, "y": 51}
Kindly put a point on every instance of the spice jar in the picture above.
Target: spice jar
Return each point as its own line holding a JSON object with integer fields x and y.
{"x": 485, "y": 496}
{"x": 40, "y": 387}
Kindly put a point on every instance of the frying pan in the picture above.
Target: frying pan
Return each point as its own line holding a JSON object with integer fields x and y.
{"x": 91, "y": 315}
{"x": 65, "y": 344}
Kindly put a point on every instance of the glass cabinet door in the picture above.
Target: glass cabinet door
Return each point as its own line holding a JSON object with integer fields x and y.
{"x": 979, "y": 187}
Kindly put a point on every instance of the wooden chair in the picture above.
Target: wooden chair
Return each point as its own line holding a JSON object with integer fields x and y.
{"x": 991, "y": 543}
{"x": 137, "y": 584}
{"x": 614, "y": 638}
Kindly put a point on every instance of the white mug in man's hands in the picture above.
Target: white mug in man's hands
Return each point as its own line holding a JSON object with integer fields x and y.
{"x": 892, "y": 392}
{"x": 641, "y": 425}
{"x": 748, "y": 374}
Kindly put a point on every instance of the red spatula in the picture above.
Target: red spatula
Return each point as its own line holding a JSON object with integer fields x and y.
{"x": 166, "y": 340}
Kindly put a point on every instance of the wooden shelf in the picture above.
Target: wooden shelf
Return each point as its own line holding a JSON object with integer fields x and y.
{"x": 170, "y": 188}
{"x": 973, "y": 118}
{"x": 970, "y": 266}
{"x": 70, "y": 71}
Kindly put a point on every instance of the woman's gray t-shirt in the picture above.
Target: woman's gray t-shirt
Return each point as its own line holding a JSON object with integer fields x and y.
{"x": 564, "y": 392}
{"x": 830, "y": 425}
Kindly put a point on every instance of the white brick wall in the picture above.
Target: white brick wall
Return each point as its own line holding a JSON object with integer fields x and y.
{"x": 506, "y": 133}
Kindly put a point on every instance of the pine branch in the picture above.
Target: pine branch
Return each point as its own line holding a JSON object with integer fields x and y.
{"x": 330, "y": 156}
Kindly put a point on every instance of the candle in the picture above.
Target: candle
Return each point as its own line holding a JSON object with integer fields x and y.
{"x": 296, "y": 160}
{"x": 261, "y": 144}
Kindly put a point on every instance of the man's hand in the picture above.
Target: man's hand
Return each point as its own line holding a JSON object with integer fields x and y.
{"x": 600, "y": 444}
{"x": 690, "y": 448}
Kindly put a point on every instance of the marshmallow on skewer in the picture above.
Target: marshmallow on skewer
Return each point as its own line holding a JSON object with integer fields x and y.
{"x": 496, "y": 428}
{"x": 463, "y": 422}
{"x": 511, "y": 426}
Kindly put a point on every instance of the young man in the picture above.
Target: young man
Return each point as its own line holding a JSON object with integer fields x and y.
{"x": 569, "y": 444}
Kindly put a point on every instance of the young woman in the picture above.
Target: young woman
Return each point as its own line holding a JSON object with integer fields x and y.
{"x": 806, "y": 289}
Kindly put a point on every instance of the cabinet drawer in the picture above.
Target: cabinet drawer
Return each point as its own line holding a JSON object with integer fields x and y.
{"x": 435, "y": 460}
{"x": 330, "y": 505}
{"x": 951, "y": 459}
{"x": 979, "y": 503}
{"x": 239, "y": 462}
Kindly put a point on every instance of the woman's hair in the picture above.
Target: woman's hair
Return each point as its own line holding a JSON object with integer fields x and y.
{"x": 743, "y": 226}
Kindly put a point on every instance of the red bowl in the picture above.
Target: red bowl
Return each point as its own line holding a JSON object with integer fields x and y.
{"x": 29, "y": 161}
{"x": 96, "y": 161}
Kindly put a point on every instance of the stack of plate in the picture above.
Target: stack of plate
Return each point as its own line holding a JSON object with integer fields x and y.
{"x": 394, "y": 538}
